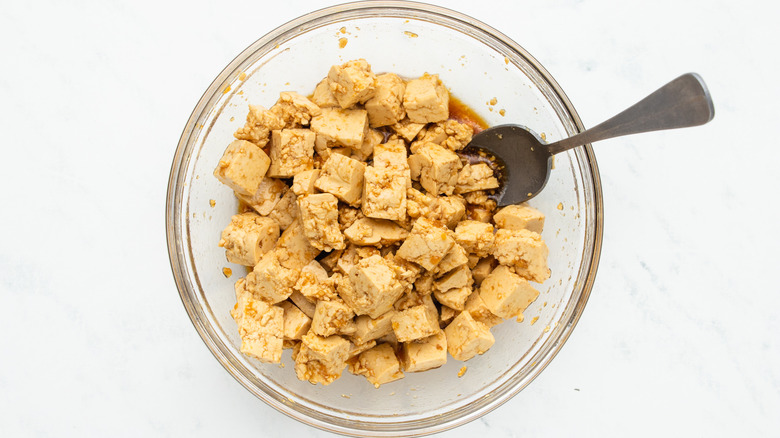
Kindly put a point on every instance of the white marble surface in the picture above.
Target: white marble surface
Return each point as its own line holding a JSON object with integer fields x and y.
{"x": 680, "y": 336}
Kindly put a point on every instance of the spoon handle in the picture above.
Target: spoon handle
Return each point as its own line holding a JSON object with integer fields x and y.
{"x": 681, "y": 103}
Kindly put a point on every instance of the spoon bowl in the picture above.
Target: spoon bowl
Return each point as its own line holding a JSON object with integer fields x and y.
{"x": 525, "y": 160}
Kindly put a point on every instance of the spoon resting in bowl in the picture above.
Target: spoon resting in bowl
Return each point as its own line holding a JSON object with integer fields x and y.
{"x": 524, "y": 160}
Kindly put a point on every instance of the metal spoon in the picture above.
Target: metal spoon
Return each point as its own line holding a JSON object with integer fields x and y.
{"x": 527, "y": 160}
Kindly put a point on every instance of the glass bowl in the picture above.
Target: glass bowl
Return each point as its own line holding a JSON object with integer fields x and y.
{"x": 477, "y": 63}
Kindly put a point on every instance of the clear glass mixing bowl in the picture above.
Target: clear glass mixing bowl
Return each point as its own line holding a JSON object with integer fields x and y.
{"x": 477, "y": 63}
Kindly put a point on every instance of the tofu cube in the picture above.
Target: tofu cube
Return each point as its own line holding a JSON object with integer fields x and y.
{"x": 386, "y": 107}
{"x": 422, "y": 204}
{"x": 352, "y": 82}
{"x": 330, "y": 317}
{"x": 438, "y": 168}
{"x": 296, "y": 322}
{"x": 375, "y": 287}
{"x": 427, "y": 244}
{"x": 456, "y": 278}
{"x": 303, "y": 303}
{"x": 507, "y": 294}
{"x": 242, "y": 167}
{"x": 375, "y": 232}
{"x": 294, "y": 109}
{"x": 414, "y": 323}
{"x": 314, "y": 284}
{"x": 341, "y": 127}
{"x": 321, "y": 359}
{"x": 451, "y": 210}
{"x": 453, "y": 298}
{"x": 322, "y": 96}
{"x": 474, "y": 177}
{"x": 482, "y": 269}
{"x": 407, "y": 129}
{"x": 248, "y": 237}
{"x": 303, "y": 182}
{"x": 270, "y": 281}
{"x": 293, "y": 248}
{"x": 259, "y": 124}
{"x": 286, "y": 210}
{"x": 519, "y": 217}
{"x": 467, "y": 337}
{"x": 268, "y": 194}
{"x": 369, "y": 329}
{"x": 446, "y": 315}
{"x": 292, "y": 151}
{"x": 425, "y": 354}
{"x": 450, "y": 133}
{"x": 475, "y": 237}
{"x": 525, "y": 250}
{"x": 342, "y": 177}
{"x": 319, "y": 216}
{"x": 379, "y": 365}
{"x": 260, "y": 325}
{"x": 455, "y": 258}
{"x": 384, "y": 193}
{"x": 371, "y": 139}
{"x": 480, "y": 311}
{"x": 426, "y": 100}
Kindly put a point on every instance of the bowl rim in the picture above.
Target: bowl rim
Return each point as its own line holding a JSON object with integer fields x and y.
{"x": 180, "y": 164}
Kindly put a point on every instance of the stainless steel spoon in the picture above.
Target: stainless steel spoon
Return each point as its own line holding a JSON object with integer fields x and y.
{"x": 525, "y": 160}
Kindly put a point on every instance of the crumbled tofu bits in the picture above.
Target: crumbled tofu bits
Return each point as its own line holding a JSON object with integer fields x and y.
{"x": 373, "y": 246}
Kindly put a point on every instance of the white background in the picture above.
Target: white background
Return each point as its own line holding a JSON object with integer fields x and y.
{"x": 679, "y": 338}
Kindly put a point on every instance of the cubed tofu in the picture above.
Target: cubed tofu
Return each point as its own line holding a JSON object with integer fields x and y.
{"x": 321, "y": 359}
{"x": 271, "y": 281}
{"x": 248, "y": 237}
{"x": 473, "y": 177}
{"x": 384, "y": 193}
{"x": 446, "y": 315}
{"x": 414, "y": 323}
{"x": 294, "y": 109}
{"x": 296, "y": 322}
{"x": 375, "y": 232}
{"x": 260, "y": 325}
{"x": 482, "y": 269}
{"x": 242, "y": 167}
{"x": 352, "y": 254}
{"x": 507, "y": 294}
{"x": 451, "y": 210}
{"x": 415, "y": 167}
{"x": 519, "y": 217}
{"x": 320, "y": 220}
{"x": 453, "y": 298}
{"x": 479, "y": 214}
{"x": 480, "y": 311}
{"x": 370, "y": 141}
{"x": 292, "y": 151}
{"x": 259, "y": 124}
{"x": 330, "y": 317}
{"x": 475, "y": 237}
{"x": 392, "y": 155}
{"x": 425, "y": 354}
{"x": 427, "y": 244}
{"x": 426, "y": 100}
{"x": 407, "y": 129}
{"x": 303, "y": 303}
{"x": 450, "y": 133}
{"x": 342, "y": 127}
{"x": 369, "y": 329}
{"x": 293, "y": 248}
{"x": 303, "y": 182}
{"x": 438, "y": 168}
{"x": 268, "y": 194}
{"x": 379, "y": 365}
{"x": 467, "y": 337}
{"x": 285, "y": 212}
{"x": 525, "y": 251}
{"x": 422, "y": 204}
{"x": 314, "y": 284}
{"x": 322, "y": 96}
{"x": 356, "y": 349}
{"x": 456, "y": 278}
{"x": 375, "y": 287}
{"x": 455, "y": 258}
{"x": 348, "y": 215}
{"x": 343, "y": 177}
{"x": 352, "y": 82}
{"x": 386, "y": 107}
